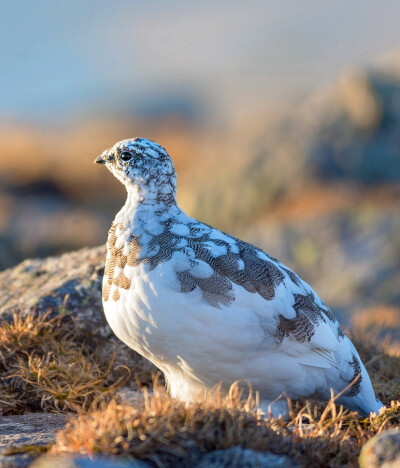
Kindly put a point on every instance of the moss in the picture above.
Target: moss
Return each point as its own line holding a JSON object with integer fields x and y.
{"x": 30, "y": 449}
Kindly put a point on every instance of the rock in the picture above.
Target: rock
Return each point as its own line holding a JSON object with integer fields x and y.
{"x": 86, "y": 462}
{"x": 382, "y": 451}
{"x": 237, "y": 457}
{"x": 358, "y": 141}
{"x": 24, "y": 437}
{"x": 69, "y": 284}
{"x": 359, "y": 99}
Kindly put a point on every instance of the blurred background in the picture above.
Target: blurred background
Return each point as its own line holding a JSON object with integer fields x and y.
{"x": 282, "y": 118}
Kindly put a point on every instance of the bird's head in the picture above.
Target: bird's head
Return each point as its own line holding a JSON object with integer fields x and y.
{"x": 142, "y": 165}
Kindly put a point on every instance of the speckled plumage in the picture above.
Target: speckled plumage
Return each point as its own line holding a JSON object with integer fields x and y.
{"x": 208, "y": 308}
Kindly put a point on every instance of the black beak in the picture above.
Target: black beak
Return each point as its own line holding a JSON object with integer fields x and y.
{"x": 100, "y": 160}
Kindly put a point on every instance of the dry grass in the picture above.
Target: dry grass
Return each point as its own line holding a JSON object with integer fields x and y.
{"x": 167, "y": 433}
{"x": 46, "y": 365}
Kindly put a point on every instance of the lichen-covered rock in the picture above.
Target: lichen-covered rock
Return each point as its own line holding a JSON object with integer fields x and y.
{"x": 24, "y": 437}
{"x": 69, "y": 284}
{"x": 382, "y": 451}
{"x": 237, "y": 457}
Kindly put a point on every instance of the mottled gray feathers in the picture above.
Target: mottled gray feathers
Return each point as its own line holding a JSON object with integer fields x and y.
{"x": 308, "y": 314}
{"x": 356, "y": 387}
{"x": 232, "y": 261}
{"x": 244, "y": 268}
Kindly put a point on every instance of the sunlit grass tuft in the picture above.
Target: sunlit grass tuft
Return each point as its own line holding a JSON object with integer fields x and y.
{"x": 169, "y": 433}
{"x": 45, "y": 364}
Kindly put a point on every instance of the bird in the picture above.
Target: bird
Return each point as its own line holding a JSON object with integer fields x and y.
{"x": 207, "y": 308}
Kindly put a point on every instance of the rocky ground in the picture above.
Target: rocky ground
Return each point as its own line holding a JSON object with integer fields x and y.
{"x": 40, "y": 393}
{"x": 32, "y": 431}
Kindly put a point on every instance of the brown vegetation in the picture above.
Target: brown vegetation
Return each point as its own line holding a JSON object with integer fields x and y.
{"x": 168, "y": 433}
{"x": 46, "y": 365}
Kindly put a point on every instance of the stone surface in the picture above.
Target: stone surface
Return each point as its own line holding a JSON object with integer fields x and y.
{"x": 86, "y": 462}
{"x": 382, "y": 451}
{"x": 237, "y": 457}
{"x": 68, "y": 284}
{"x": 25, "y": 435}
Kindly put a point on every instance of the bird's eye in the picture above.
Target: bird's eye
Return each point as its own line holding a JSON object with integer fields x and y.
{"x": 126, "y": 155}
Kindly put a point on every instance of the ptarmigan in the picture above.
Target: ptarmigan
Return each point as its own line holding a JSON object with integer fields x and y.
{"x": 208, "y": 308}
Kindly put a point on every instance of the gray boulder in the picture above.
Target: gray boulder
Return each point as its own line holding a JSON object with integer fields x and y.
{"x": 24, "y": 437}
{"x": 87, "y": 462}
{"x": 237, "y": 457}
{"x": 382, "y": 451}
{"x": 69, "y": 284}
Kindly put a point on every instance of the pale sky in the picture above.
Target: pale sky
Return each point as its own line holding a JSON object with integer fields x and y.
{"x": 58, "y": 57}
